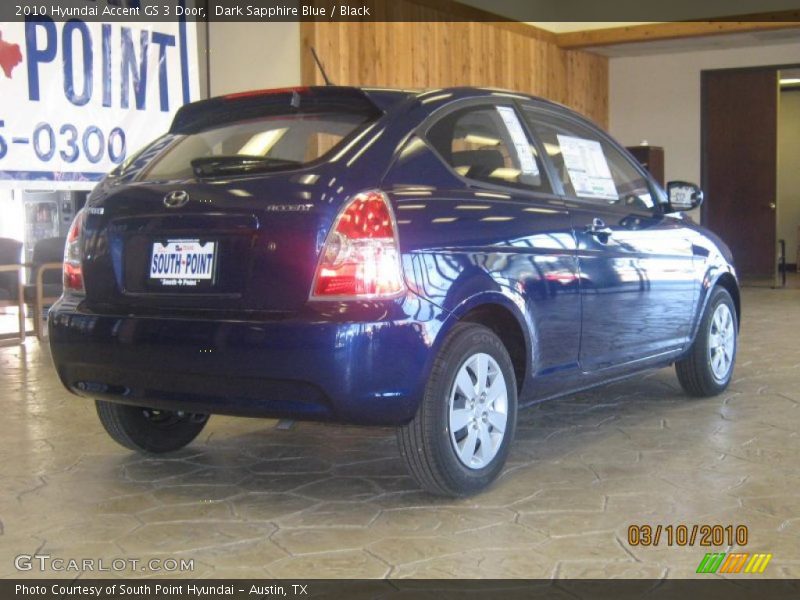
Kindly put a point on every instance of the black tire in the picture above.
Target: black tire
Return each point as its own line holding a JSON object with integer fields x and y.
{"x": 695, "y": 371}
{"x": 426, "y": 443}
{"x": 147, "y": 430}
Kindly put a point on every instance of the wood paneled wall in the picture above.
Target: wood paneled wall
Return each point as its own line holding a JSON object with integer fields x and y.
{"x": 433, "y": 54}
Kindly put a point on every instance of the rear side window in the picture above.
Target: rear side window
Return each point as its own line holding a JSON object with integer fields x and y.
{"x": 589, "y": 166}
{"x": 275, "y": 143}
{"x": 488, "y": 143}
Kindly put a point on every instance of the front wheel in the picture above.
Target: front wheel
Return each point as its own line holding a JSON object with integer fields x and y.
{"x": 459, "y": 440}
{"x": 147, "y": 429}
{"x": 708, "y": 368}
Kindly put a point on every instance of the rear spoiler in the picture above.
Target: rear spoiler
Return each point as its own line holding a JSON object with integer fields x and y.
{"x": 220, "y": 110}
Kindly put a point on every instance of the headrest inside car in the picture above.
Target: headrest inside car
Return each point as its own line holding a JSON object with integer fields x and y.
{"x": 477, "y": 162}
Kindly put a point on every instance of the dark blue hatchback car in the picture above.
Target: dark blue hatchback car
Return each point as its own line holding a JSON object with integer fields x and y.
{"x": 432, "y": 261}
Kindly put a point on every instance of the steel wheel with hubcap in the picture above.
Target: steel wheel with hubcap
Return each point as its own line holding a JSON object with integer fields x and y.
{"x": 707, "y": 368}
{"x": 458, "y": 441}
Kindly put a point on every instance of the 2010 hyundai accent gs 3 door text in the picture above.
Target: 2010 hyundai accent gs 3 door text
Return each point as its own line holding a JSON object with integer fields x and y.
{"x": 432, "y": 261}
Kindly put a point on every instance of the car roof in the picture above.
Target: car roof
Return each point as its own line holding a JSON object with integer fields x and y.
{"x": 196, "y": 115}
{"x": 384, "y": 97}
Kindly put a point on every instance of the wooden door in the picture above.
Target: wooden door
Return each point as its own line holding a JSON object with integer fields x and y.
{"x": 739, "y": 139}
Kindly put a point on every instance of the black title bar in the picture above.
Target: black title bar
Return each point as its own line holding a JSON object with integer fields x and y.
{"x": 267, "y": 11}
{"x": 739, "y": 588}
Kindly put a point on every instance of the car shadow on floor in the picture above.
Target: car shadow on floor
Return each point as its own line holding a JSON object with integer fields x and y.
{"x": 235, "y": 459}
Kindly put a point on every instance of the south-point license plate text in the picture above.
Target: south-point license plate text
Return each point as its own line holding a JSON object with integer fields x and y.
{"x": 182, "y": 262}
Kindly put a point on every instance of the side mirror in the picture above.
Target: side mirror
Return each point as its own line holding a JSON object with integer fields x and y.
{"x": 683, "y": 196}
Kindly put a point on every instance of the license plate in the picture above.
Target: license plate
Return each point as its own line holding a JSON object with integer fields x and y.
{"x": 183, "y": 263}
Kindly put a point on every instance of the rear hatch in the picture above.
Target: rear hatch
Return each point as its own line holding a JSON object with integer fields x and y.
{"x": 228, "y": 211}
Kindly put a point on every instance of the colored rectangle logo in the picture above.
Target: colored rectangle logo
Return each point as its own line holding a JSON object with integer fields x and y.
{"x": 733, "y": 562}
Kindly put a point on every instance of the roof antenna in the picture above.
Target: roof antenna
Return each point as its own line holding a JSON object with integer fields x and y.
{"x": 321, "y": 68}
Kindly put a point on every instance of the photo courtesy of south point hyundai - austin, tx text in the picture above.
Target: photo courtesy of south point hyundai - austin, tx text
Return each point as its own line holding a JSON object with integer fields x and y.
{"x": 391, "y": 297}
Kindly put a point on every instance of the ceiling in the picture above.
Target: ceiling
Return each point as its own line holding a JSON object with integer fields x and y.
{"x": 711, "y": 42}
{"x": 570, "y": 26}
{"x": 555, "y": 15}
{"x": 549, "y": 10}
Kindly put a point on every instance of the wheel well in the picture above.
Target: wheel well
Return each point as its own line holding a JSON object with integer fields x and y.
{"x": 507, "y": 328}
{"x": 727, "y": 281}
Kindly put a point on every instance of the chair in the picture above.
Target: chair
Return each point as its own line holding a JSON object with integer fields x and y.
{"x": 11, "y": 271}
{"x": 46, "y": 265}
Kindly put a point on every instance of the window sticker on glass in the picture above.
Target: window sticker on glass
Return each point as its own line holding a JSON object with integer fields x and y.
{"x": 587, "y": 167}
{"x": 526, "y": 161}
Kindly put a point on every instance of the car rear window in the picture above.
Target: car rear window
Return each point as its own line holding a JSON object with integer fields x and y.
{"x": 275, "y": 143}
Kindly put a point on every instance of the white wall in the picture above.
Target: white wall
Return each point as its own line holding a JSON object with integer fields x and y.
{"x": 789, "y": 172}
{"x": 250, "y": 56}
{"x": 657, "y": 98}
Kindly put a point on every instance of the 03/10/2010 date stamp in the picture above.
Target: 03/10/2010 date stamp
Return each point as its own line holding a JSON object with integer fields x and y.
{"x": 704, "y": 535}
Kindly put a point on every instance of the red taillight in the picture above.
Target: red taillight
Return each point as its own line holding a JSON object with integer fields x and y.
{"x": 73, "y": 256}
{"x": 361, "y": 258}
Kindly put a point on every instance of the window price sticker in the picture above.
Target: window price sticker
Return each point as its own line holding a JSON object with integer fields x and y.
{"x": 587, "y": 167}
{"x": 522, "y": 147}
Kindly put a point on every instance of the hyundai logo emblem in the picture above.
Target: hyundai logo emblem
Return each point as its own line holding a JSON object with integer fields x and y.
{"x": 176, "y": 199}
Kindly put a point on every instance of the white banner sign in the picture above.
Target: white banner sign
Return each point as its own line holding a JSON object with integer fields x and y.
{"x": 76, "y": 97}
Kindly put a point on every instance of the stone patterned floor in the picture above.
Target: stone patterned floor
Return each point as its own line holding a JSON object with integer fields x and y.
{"x": 247, "y": 499}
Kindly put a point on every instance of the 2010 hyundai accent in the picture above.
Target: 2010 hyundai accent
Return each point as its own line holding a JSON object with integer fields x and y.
{"x": 432, "y": 261}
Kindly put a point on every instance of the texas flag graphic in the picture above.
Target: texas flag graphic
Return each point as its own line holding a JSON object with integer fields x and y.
{"x": 10, "y": 56}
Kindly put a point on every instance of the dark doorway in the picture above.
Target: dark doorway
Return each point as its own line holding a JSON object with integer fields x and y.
{"x": 739, "y": 161}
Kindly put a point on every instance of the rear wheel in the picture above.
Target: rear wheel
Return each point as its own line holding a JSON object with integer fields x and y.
{"x": 459, "y": 440}
{"x": 708, "y": 368}
{"x": 147, "y": 429}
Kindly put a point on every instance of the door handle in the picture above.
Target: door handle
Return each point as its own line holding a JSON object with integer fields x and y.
{"x": 772, "y": 206}
{"x": 599, "y": 229}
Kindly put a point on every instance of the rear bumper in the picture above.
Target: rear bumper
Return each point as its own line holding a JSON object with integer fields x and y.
{"x": 365, "y": 372}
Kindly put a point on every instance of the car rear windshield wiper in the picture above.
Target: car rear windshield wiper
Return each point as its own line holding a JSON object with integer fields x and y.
{"x": 236, "y": 164}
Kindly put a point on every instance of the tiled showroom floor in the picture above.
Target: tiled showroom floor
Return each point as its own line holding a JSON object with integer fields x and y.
{"x": 247, "y": 499}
